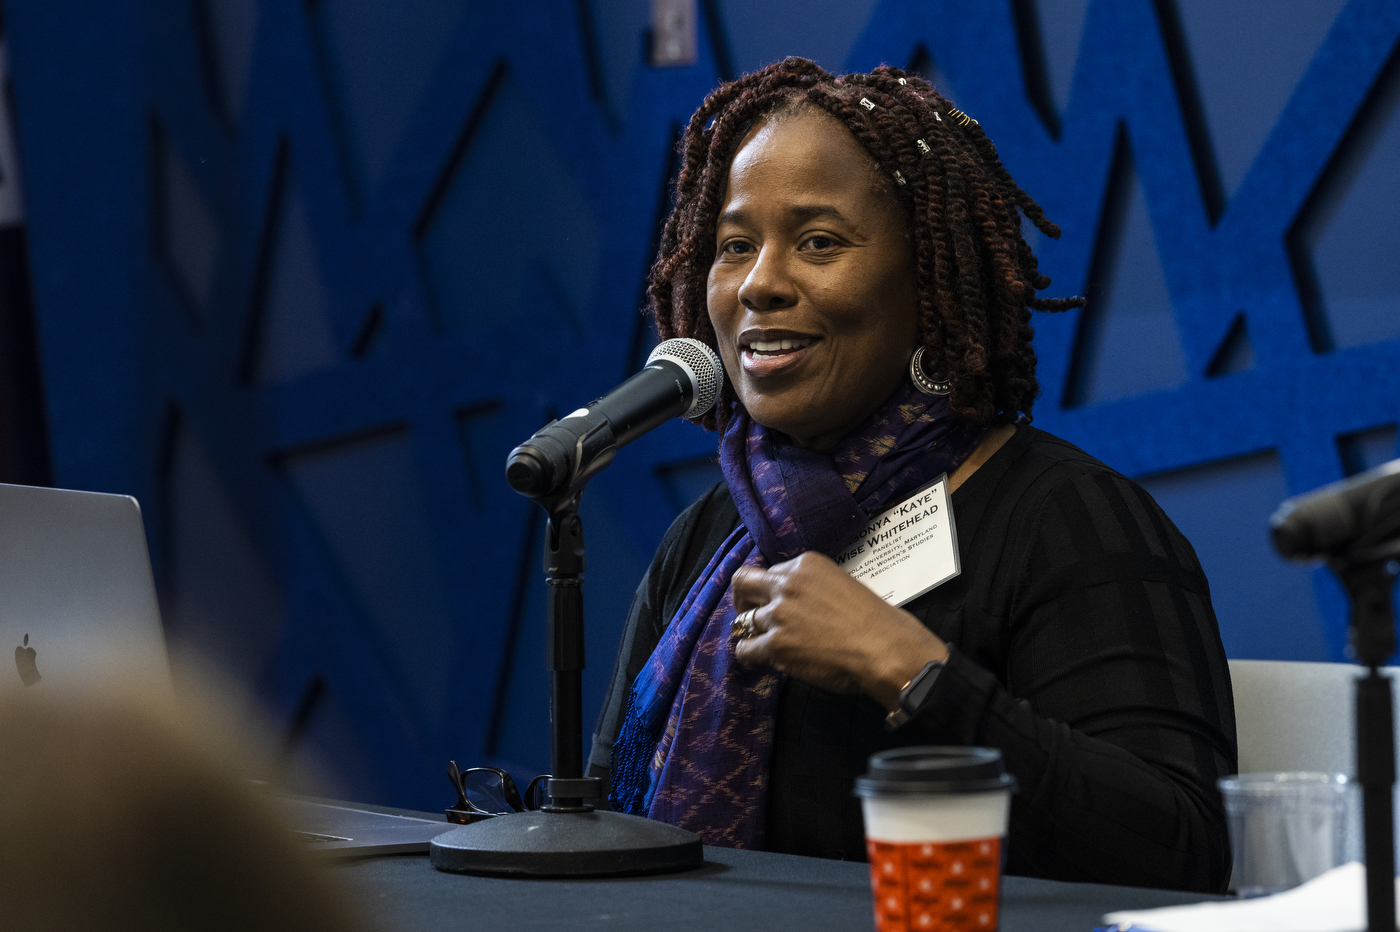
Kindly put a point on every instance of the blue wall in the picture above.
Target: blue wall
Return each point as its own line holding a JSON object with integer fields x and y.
{"x": 304, "y": 273}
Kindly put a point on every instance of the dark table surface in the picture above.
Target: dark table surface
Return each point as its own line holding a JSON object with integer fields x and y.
{"x": 733, "y": 891}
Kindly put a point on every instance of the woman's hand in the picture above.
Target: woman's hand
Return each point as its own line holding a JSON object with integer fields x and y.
{"x": 816, "y": 623}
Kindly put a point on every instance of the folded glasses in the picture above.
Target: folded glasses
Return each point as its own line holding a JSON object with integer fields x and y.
{"x": 487, "y": 792}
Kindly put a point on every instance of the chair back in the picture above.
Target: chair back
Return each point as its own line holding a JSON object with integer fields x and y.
{"x": 1296, "y": 716}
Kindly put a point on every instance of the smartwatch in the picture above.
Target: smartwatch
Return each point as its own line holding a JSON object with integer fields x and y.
{"x": 912, "y": 696}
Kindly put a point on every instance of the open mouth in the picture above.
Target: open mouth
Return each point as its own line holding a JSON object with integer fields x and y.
{"x": 769, "y": 353}
{"x": 777, "y": 347}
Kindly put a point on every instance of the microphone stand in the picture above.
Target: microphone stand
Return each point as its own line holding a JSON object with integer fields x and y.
{"x": 1370, "y": 582}
{"x": 566, "y": 837}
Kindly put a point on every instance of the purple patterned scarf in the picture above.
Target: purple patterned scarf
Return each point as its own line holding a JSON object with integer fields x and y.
{"x": 697, "y": 734}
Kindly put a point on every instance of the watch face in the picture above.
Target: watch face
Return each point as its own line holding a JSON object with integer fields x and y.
{"x": 913, "y": 695}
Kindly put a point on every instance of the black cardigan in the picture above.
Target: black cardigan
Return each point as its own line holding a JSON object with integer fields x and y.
{"x": 1084, "y": 647}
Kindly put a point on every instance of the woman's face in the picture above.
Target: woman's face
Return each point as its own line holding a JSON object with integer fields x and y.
{"x": 812, "y": 293}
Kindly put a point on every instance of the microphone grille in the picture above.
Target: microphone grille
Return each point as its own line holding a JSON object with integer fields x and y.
{"x": 703, "y": 365}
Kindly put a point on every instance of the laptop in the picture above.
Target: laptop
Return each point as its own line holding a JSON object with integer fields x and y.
{"x": 78, "y": 605}
{"x": 339, "y": 830}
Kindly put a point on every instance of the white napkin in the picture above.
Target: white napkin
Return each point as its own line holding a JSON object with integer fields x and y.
{"x": 1331, "y": 902}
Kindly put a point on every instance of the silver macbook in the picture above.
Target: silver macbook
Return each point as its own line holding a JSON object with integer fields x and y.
{"x": 338, "y": 830}
{"x": 77, "y": 603}
{"x": 78, "y": 606}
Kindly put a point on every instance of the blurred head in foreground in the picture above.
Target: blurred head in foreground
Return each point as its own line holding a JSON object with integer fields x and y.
{"x": 118, "y": 812}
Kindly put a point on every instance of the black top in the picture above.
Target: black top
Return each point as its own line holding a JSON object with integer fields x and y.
{"x": 1084, "y": 647}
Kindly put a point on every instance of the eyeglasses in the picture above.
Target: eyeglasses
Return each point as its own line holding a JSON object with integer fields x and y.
{"x": 487, "y": 792}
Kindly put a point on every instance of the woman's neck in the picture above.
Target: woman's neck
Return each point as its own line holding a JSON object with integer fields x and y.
{"x": 996, "y": 438}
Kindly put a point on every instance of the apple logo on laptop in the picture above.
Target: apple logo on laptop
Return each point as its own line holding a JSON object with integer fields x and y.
{"x": 24, "y": 660}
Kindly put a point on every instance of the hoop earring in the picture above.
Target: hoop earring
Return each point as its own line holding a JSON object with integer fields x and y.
{"x": 921, "y": 380}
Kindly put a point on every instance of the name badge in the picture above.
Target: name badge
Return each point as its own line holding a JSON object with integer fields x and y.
{"x": 909, "y": 549}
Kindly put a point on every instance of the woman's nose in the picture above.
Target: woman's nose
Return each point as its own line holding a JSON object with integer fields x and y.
{"x": 768, "y": 285}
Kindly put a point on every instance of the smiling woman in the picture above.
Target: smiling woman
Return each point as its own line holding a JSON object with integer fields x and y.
{"x": 807, "y": 244}
{"x": 852, "y": 248}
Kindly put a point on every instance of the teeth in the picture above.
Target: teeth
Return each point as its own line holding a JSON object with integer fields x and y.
{"x": 774, "y": 346}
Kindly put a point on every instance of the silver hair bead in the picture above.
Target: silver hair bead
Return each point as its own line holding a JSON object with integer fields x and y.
{"x": 923, "y": 147}
{"x": 865, "y": 102}
{"x": 900, "y": 178}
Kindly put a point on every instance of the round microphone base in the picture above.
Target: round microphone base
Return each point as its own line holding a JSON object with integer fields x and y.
{"x": 566, "y": 844}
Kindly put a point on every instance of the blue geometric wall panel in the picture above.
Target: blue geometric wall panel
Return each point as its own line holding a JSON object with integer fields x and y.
{"x": 186, "y": 234}
{"x": 365, "y": 498}
{"x": 1244, "y": 61}
{"x": 226, "y": 29}
{"x": 510, "y": 221}
{"x": 1347, "y": 247}
{"x": 1129, "y": 314}
{"x": 1367, "y": 449}
{"x": 292, "y": 333}
{"x": 305, "y": 273}
{"x": 222, "y": 596}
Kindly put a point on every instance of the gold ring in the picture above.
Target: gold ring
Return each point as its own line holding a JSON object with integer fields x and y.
{"x": 743, "y": 624}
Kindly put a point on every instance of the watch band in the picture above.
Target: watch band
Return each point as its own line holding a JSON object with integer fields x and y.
{"x": 912, "y": 696}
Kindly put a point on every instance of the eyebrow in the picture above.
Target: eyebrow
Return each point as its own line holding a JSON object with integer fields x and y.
{"x": 799, "y": 214}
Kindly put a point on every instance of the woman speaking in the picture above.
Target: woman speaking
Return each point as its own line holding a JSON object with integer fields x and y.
{"x": 851, "y": 246}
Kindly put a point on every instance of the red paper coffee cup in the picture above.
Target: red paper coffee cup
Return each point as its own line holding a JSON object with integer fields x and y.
{"x": 935, "y": 819}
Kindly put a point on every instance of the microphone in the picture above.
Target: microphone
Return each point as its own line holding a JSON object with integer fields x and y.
{"x": 682, "y": 376}
{"x": 1356, "y": 518}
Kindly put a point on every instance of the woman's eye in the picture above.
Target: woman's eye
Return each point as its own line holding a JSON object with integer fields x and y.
{"x": 820, "y": 242}
{"x": 736, "y": 247}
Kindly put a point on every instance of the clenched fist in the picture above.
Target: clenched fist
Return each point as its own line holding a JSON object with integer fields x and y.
{"x": 814, "y": 622}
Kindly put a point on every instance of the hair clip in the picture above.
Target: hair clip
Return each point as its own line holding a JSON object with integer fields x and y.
{"x": 902, "y": 81}
{"x": 865, "y": 102}
{"x": 938, "y": 116}
{"x": 900, "y": 178}
{"x": 923, "y": 147}
{"x": 961, "y": 117}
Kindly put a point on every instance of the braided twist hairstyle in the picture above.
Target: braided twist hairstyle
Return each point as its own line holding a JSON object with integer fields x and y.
{"x": 977, "y": 278}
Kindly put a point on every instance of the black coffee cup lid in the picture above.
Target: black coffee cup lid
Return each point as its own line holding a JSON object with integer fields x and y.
{"x": 935, "y": 769}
